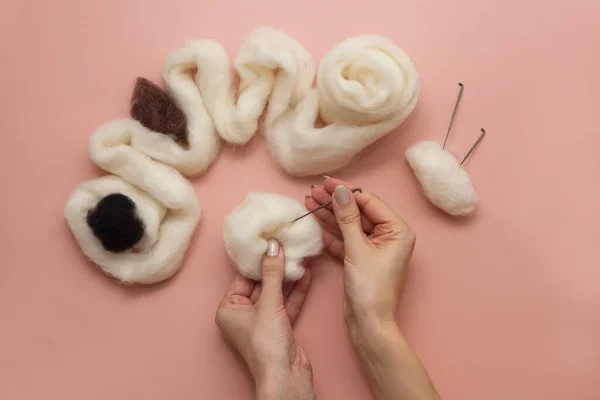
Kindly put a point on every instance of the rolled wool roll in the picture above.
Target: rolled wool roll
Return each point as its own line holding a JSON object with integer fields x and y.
{"x": 366, "y": 87}
{"x": 135, "y": 225}
{"x": 442, "y": 179}
{"x": 264, "y": 216}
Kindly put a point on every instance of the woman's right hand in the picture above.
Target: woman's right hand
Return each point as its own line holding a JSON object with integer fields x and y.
{"x": 375, "y": 245}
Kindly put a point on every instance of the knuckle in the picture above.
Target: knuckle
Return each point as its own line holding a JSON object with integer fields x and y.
{"x": 349, "y": 218}
{"x": 219, "y": 319}
{"x": 305, "y": 363}
{"x": 409, "y": 234}
{"x": 303, "y": 360}
{"x": 270, "y": 268}
{"x": 412, "y": 236}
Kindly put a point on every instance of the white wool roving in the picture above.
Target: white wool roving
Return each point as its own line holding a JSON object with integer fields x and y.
{"x": 271, "y": 66}
{"x": 442, "y": 178}
{"x": 264, "y": 216}
{"x": 165, "y": 203}
{"x": 366, "y": 87}
{"x": 204, "y": 143}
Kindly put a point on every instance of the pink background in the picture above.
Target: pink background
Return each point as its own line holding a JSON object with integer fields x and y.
{"x": 505, "y": 306}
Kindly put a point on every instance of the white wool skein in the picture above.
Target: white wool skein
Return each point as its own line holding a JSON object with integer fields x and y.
{"x": 272, "y": 67}
{"x": 444, "y": 182}
{"x": 204, "y": 143}
{"x": 366, "y": 87}
{"x": 263, "y": 216}
{"x": 164, "y": 201}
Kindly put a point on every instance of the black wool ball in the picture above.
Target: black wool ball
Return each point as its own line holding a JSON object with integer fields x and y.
{"x": 115, "y": 223}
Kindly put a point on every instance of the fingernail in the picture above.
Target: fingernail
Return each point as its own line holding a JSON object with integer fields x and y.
{"x": 306, "y": 197}
{"x": 272, "y": 248}
{"x": 326, "y": 177}
{"x": 342, "y": 195}
{"x": 313, "y": 186}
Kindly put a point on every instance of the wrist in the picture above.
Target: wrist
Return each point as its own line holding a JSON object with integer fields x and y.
{"x": 374, "y": 337}
{"x": 267, "y": 393}
{"x": 370, "y": 316}
{"x": 268, "y": 388}
{"x": 285, "y": 387}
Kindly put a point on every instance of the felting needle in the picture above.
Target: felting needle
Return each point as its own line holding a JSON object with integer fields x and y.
{"x": 474, "y": 146}
{"x": 322, "y": 206}
{"x": 462, "y": 87}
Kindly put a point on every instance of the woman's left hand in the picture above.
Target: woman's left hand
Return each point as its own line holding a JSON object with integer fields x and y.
{"x": 256, "y": 319}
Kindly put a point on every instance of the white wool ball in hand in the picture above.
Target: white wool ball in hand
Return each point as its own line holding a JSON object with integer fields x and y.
{"x": 263, "y": 216}
{"x": 442, "y": 178}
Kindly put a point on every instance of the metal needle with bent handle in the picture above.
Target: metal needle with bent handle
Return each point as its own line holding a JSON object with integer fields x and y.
{"x": 322, "y": 206}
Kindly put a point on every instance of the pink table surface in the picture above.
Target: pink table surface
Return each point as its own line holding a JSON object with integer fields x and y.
{"x": 505, "y": 306}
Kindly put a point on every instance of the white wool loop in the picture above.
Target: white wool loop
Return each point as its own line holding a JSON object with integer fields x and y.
{"x": 269, "y": 63}
{"x": 444, "y": 182}
{"x": 165, "y": 202}
{"x": 204, "y": 143}
{"x": 263, "y": 216}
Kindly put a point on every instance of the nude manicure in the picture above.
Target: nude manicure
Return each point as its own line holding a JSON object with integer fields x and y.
{"x": 272, "y": 248}
{"x": 342, "y": 195}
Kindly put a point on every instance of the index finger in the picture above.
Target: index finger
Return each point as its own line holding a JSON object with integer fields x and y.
{"x": 371, "y": 206}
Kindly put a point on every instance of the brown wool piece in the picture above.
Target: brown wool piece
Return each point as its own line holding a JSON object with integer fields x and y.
{"x": 155, "y": 109}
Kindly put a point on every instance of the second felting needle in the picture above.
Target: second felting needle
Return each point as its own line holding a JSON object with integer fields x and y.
{"x": 442, "y": 178}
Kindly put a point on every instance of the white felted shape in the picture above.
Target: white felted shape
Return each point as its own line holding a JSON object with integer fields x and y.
{"x": 271, "y": 66}
{"x": 366, "y": 87}
{"x": 442, "y": 178}
{"x": 165, "y": 202}
{"x": 264, "y": 216}
{"x": 204, "y": 143}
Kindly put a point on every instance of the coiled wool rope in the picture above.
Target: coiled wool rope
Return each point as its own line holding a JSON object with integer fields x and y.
{"x": 136, "y": 224}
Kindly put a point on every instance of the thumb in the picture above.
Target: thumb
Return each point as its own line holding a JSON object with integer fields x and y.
{"x": 272, "y": 271}
{"x": 347, "y": 216}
